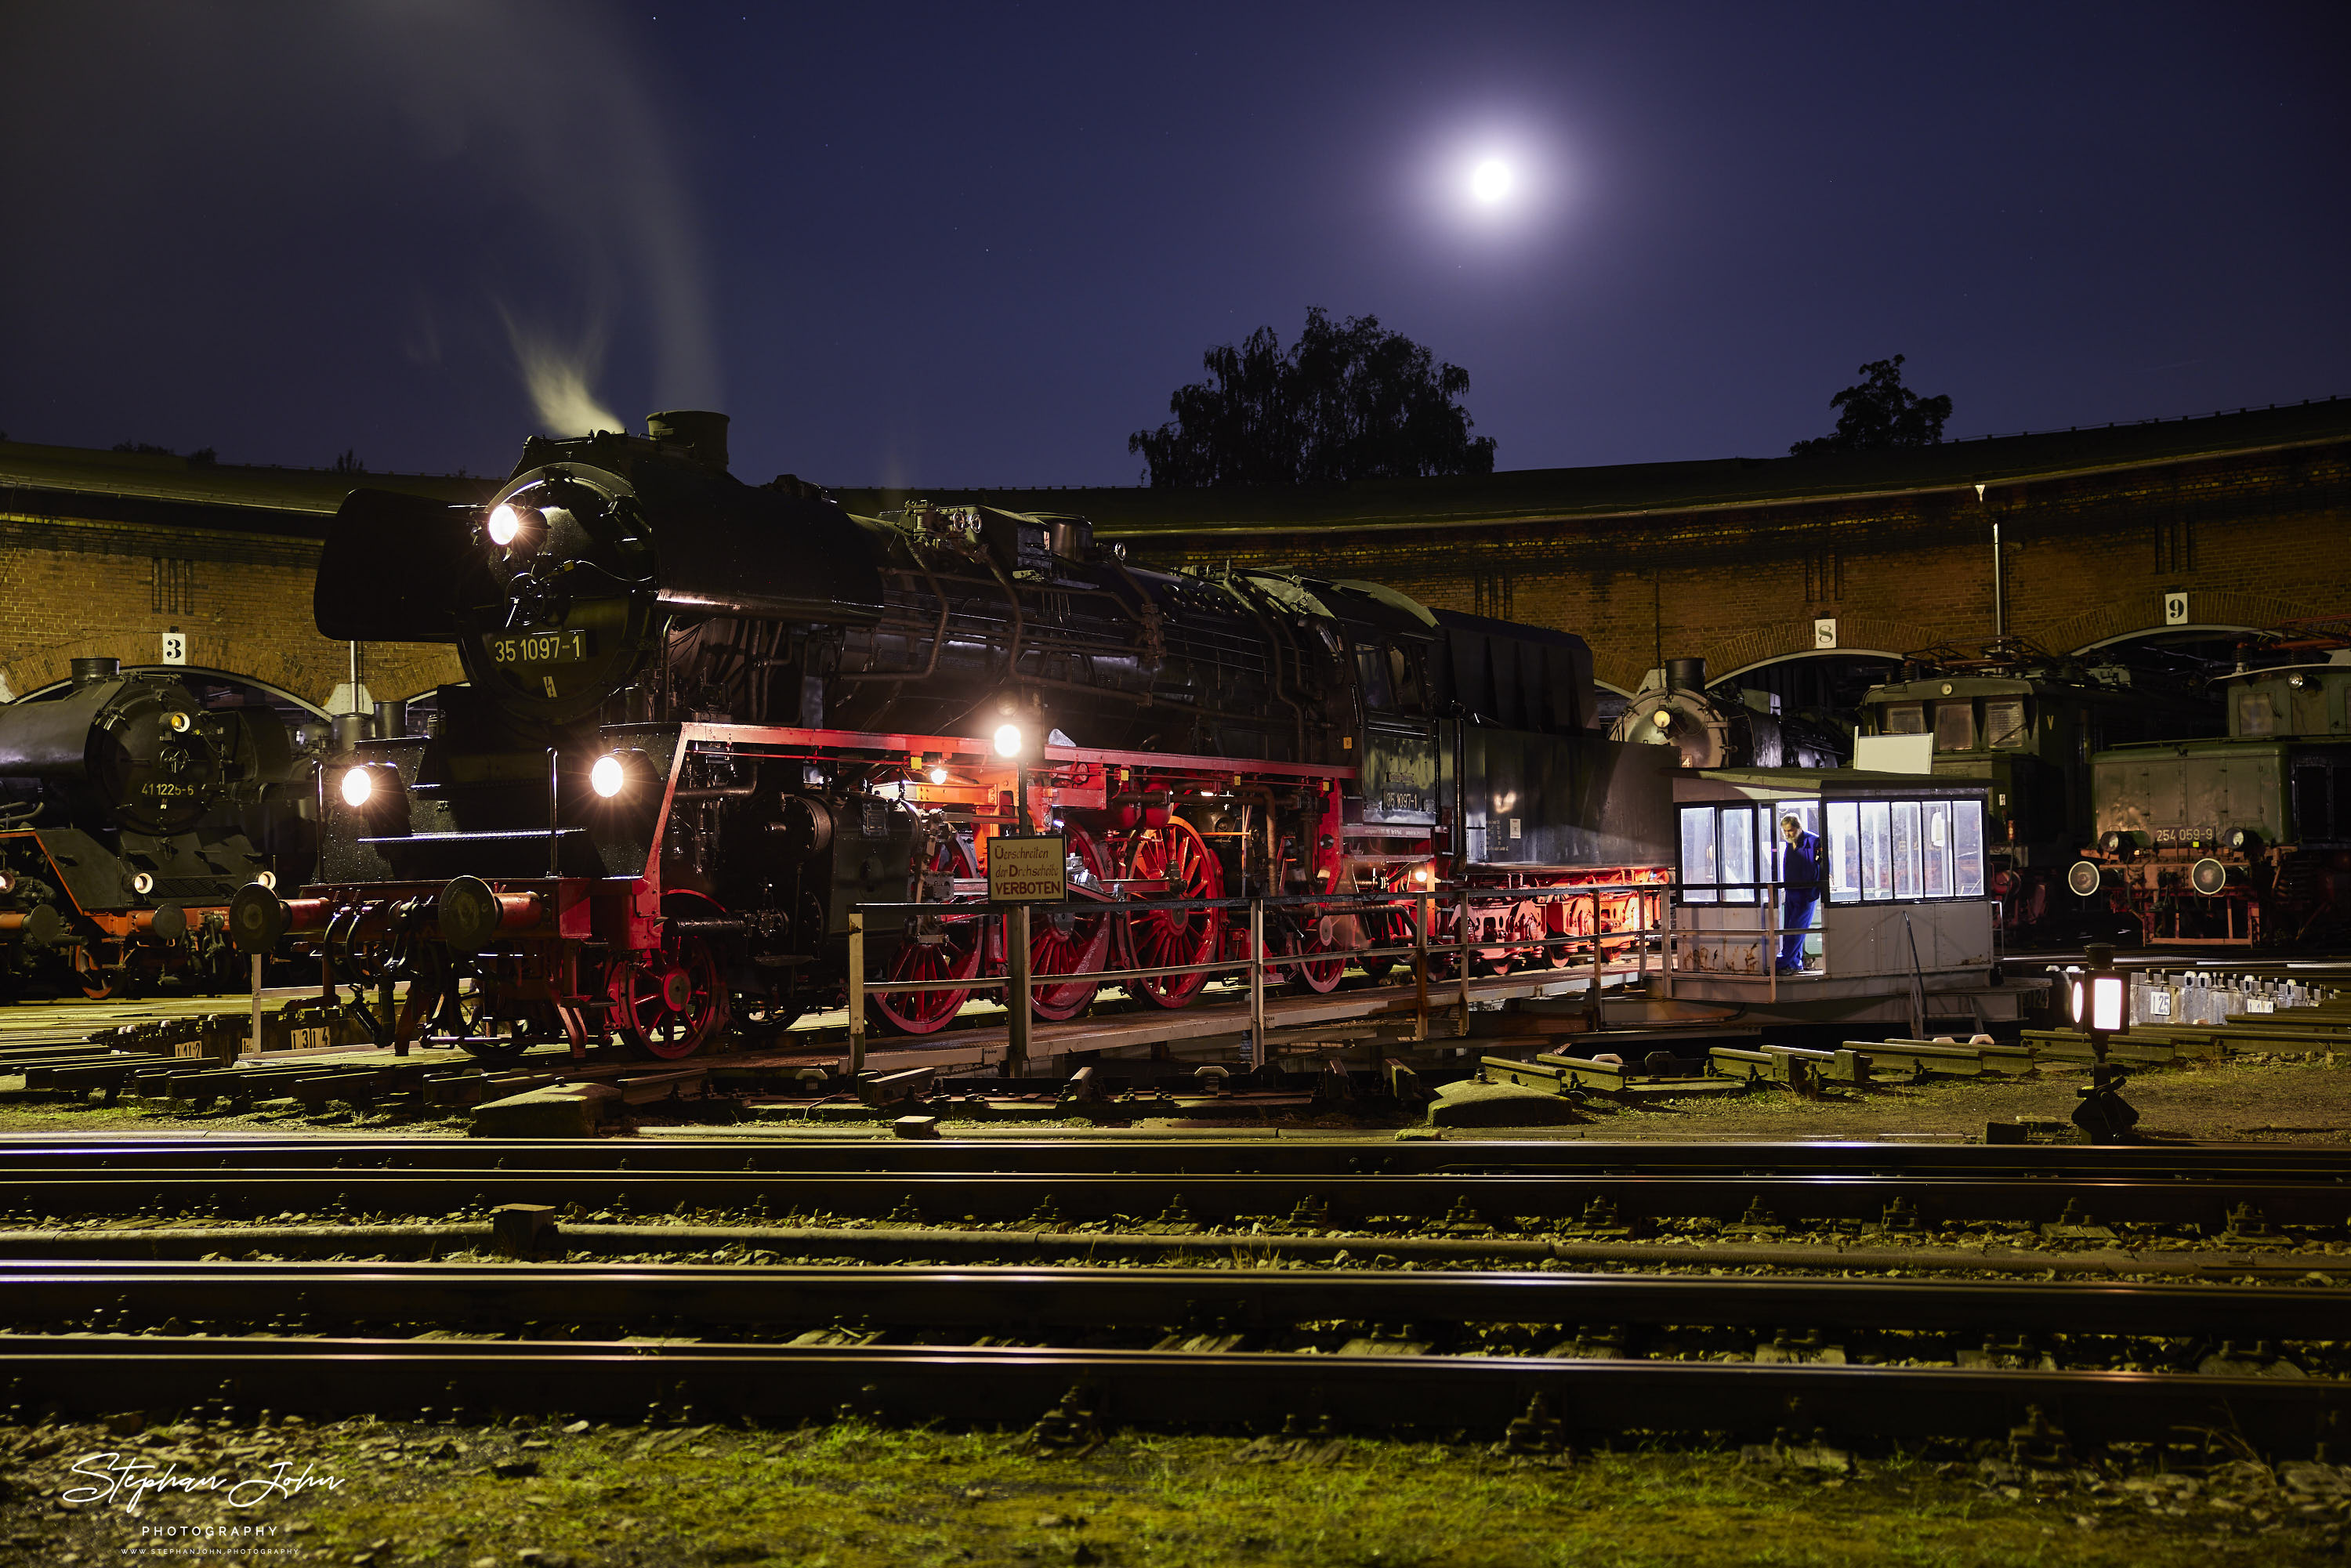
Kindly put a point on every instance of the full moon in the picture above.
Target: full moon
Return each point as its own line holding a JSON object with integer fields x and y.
{"x": 1491, "y": 181}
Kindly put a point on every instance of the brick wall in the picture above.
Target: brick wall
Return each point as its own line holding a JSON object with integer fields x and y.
{"x": 70, "y": 589}
{"x": 2253, "y": 538}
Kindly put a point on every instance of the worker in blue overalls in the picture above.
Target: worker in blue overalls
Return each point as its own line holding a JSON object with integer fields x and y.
{"x": 1800, "y": 880}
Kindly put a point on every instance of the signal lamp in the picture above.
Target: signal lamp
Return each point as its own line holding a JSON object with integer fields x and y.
{"x": 7, "y": 880}
{"x": 1010, "y": 740}
{"x": 606, "y": 777}
{"x": 505, "y": 526}
{"x": 358, "y": 787}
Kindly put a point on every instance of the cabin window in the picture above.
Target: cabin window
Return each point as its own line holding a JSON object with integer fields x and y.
{"x": 1934, "y": 847}
{"x": 1955, "y": 726}
{"x": 1372, "y": 677}
{"x": 1905, "y": 841}
{"x": 1876, "y": 851}
{"x": 1967, "y": 849}
{"x": 1701, "y": 868}
{"x": 1844, "y": 852}
{"x": 2006, "y": 727}
{"x": 1738, "y": 842}
{"x": 1905, "y": 719}
{"x": 2256, "y": 716}
{"x": 1403, "y": 680}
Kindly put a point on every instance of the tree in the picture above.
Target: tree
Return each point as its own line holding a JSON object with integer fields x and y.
{"x": 1349, "y": 401}
{"x": 1880, "y": 413}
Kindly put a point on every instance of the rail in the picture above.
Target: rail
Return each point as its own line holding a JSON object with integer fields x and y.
{"x": 1470, "y": 941}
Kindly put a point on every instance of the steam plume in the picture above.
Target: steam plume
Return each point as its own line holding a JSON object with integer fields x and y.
{"x": 559, "y": 379}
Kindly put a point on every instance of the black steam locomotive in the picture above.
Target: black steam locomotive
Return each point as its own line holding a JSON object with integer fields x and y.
{"x": 130, "y": 812}
{"x": 706, "y": 721}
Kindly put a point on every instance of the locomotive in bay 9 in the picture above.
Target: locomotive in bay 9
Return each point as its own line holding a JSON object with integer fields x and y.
{"x": 704, "y": 721}
{"x": 2241, "y": 839}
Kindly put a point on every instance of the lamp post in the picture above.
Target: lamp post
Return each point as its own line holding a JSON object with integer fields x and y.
{"x": 1013, "y": 743}
{"x": 2104, "y": 1115}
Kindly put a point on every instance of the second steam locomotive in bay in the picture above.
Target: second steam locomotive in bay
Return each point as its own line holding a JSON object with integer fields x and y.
{"x": 707, "y": 722}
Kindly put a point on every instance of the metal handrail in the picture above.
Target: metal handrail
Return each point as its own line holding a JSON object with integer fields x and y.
{"x": 1259, "y": 958}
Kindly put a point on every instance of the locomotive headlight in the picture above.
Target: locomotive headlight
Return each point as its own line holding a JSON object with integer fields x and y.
{"x": 2245, "y": 840}
{"x": 505, "y": 526}
{"x": 143, "y": 883}
{"x": 1011, "y": 740}
{"x": 358, "y": 787}
{"x": 267, "y": 879}
{"x": 180, "y": 721}
{"x": 616, "y": 773}
{"x": 7, "y": 880}
{"x": 935, "y": 767}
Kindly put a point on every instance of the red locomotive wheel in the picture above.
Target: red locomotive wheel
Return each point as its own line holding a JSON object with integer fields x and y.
{"x": 670, "y": 1004}
{"x": 1069, "y": 942}
{"x": 956, "y": 956}
{"x": 1314, "y": 971}
{"x": 1179, "y": 860}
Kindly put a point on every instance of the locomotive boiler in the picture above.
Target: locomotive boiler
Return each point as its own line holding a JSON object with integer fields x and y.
{"x": 127, "y": 822}
{"x": 706, "y": 722}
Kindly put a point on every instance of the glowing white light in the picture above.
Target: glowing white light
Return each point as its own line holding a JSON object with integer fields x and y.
{"x": 1491, "y": 181}
{"x": 938, "y": 775}
{"x": 607, "y": 777}
{"x": 358, "y": 785}
{"x": 2106, "y": 1003}
{"x": 1010, "y": 741}
{"x": 505, "y": 526}
{"x": 143, "y": 883}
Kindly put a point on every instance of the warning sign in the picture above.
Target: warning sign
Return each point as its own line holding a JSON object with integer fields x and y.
{"x": 1029, "y": 870}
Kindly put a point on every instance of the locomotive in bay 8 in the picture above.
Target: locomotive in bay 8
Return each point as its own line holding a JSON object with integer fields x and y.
{"x": 130, "y": 813}
{"x": 704, "y": 721}
{"x": 2027, "y": 724}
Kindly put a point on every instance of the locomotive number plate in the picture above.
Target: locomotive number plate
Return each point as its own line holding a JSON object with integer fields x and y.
{"x": 534, "y": 647}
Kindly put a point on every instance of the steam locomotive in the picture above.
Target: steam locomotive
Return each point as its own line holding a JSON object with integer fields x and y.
{"x": 707, "y": 722}
{"x": 1715, "y": 729}
{"x": 130, "y": 812}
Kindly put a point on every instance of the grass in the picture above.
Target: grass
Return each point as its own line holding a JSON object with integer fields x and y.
{"x": 852, "y": 1496}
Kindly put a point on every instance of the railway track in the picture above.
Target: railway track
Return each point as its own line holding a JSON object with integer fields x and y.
{"x": 1528, "y": 1359}
{"x": 1761, "y": 1203}
{"x": 1531, "y": 1356}
{"x": 2258, "y": 1195}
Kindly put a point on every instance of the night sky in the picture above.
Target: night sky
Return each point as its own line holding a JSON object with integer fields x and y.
{"x": 978, "y": 244}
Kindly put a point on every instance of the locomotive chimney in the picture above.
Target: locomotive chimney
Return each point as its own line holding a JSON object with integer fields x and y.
{"x": 700, "y": 432}
{"x": 1685, "y": 675}
{"x": 86, "y": 671}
